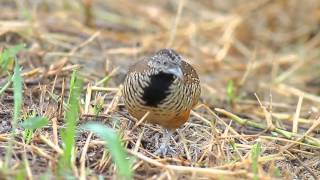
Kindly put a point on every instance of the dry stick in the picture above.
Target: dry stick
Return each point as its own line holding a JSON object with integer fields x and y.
{"x": 286, "y": 140}
{"x": 227, "y": 38}
{"x": 36, "y": 149}
{"x": 95, "y": 88}
{"x": 138, "y": 142}
{"x": 137, "y": 165}
{"x": 26, "y": 164}
{"x": 42, "y": 97}
{"x": 176, "y": 22}
{"x": 290, "y": 71}
{"x": 54, "y": 54}
{"x": 88, "y": 99}
{"x": 267, "y": 115}
{"x": 203, "y": 171}
{"x": 104, "y": 163}
{"x": 236, "y": 149}
{"x": 52, "y": 145}
{"x": 74, "y": 166}
{"x": 298, "y": 92}
{"x": 273, "y": 138}
{"x": 248, "y": 161}
{"x": 249, "y": 67}
{"x": 6, "y": 86}
{"x": 295, "y": 120}
{"x": 54, "y": 83}
{"x": 201, "y": 118}
{"x": 183, "y": 139}
{"x": 140, "y": 121}
{"x": 42, "y": 152}
{"x": 287, "y": 134}
{"x": 163, "y": 176}
{"x": 31, "y": 72}
{"x": 83, "y": 158}
{"x": 222, "y": 144}
{"x": 62, "y": 69}
{"x": 314, "y": 41}
{"x": 113, "y": 104}
{"x": 249, "y": 9}
{"x": 55, "y": 131}
{"x": 288, "y": 117}
{"x": 274, "y": 104}
{"x": 124, "y": 50}
{"x": 112, "y": 73}
{"x": 61, "y": 106}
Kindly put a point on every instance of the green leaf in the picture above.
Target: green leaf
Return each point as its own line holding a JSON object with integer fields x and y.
{"x": 255, "y": 153}
{"x": 8, "y": 55}
{"x": 35, "y": 122}
{"x": 113, "y": 143}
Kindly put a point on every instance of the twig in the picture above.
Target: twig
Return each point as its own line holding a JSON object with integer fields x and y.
{"x": 295, "y": 120}
{"x": 83, "y": 157}
{"x": 176, "y": 22}
{"x": 52, "y": 145}
{"x": 203, "y": 171}
{"x": 287, "y": 134}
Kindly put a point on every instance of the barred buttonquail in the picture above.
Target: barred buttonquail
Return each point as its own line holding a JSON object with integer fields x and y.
{"x": 165, "y": 86}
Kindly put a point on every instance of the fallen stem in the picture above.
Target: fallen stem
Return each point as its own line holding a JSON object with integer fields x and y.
{"x": 287, "y": 134}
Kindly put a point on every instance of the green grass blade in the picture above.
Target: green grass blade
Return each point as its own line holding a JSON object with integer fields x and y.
{"x": 113, "y": 142}
{"x": 21, "y": 175}
{"x": 255, "y": 153}
{"x": 17, "y": 90}
{"x": 17, "y": 95}
{"x": 35, "y": 122}
{"x": 71, "y": 118}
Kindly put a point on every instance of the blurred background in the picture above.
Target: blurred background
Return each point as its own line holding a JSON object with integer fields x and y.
{"x": 239, "y": 48}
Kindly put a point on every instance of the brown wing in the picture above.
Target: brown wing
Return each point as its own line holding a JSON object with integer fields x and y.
{"x": 139, "y": 66}
{"x": 189, "y": 73}
{"x": 192, "y": 80}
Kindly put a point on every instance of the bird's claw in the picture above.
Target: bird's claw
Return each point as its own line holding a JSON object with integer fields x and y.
{"x": 164, "y": 149}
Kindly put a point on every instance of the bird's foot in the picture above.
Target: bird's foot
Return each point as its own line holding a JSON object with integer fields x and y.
{"x": 164, "y": 149}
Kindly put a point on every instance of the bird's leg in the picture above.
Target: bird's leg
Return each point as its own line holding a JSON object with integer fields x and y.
{"x": 164, "y": 146}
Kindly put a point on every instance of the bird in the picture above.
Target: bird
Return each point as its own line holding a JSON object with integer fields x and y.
{"x": 165, "y": 88}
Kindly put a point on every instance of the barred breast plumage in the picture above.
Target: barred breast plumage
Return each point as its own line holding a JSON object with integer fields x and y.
{"x": 163, "y": 84}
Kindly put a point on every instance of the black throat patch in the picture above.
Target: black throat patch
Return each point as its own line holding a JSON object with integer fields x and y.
{"x": 157, "y": 89}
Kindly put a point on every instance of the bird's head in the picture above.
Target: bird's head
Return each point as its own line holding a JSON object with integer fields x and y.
{"x": 167, "y": 61}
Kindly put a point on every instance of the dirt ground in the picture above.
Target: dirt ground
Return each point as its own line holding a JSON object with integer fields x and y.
{"x": 258, "y": 63}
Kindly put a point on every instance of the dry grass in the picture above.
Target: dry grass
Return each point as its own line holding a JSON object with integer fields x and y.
{"x": 268, "y": 49}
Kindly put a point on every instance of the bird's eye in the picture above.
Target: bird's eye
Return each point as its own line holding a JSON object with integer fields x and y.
{"x": 165, "y": 63}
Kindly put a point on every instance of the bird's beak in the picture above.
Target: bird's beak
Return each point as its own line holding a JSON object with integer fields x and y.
{"x": 177, "y": 72}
